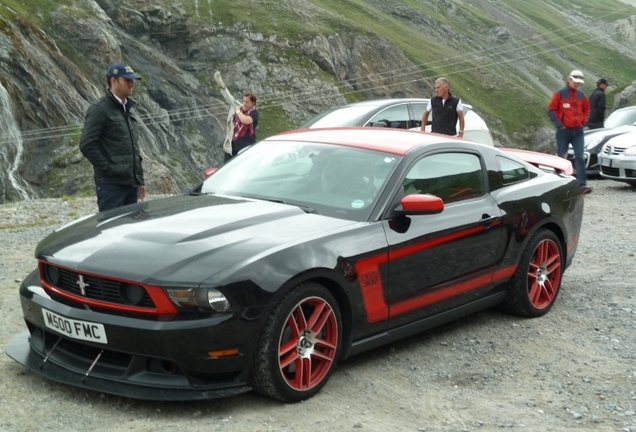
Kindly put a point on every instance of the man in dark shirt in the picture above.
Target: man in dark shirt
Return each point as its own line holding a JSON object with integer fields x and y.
{"x": 446, "y": 109}
{"x": 110, "y": 142}
{"x": 597, "y": 105}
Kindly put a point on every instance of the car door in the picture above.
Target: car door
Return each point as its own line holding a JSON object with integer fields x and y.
{"x": 441, "y": 261}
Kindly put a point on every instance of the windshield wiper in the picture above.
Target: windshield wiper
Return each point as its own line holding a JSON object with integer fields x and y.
{"x": 307, "y": 209}
{"x": 300, "y": 206}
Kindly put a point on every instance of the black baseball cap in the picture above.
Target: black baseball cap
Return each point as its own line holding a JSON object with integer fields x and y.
{"x": 121, "y": 70}
{"x": 601, "y": 81}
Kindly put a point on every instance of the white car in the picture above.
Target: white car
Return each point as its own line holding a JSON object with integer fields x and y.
{"x": 396, "y": 113}
{"x": 617, "y": 158}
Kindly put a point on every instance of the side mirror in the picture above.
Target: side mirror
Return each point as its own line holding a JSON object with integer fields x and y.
{"x": 209, "y": 171}
{"x": 420, "y": 204}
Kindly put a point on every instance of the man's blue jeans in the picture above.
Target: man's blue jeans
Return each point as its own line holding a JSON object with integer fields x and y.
{"x": 576, "y": 138}
{"x": 110, "y": 196}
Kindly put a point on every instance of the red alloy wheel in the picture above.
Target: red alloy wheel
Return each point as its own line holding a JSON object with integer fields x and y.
{"x": 544, "y": 274}
{"x": 308, "y": 344}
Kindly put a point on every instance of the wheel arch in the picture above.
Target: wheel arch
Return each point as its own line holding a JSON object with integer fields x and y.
{"x": 558, "y": 231}
{"x": 335, "y": 284}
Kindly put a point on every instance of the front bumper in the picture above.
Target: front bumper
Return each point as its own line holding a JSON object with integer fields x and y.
{"x": 620, "y": 168}
{"x": 143, "y": 359}
{"x": 21, "y": 351}
{"x": 591, "y": 162}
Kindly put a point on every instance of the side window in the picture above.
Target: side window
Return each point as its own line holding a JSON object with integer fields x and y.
{"x": 450, "y": 176}
{"x": 511, "y": 171}
{"x": 418, "y": 113}
{"x": 394, "y": 117}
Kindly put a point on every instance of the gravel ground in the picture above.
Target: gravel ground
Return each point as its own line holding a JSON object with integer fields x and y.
{"x": 574, "y": 369}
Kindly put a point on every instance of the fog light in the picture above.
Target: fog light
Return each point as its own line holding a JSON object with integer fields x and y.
{"x": 131, "y": 294}
{"x": 52, "y": 275}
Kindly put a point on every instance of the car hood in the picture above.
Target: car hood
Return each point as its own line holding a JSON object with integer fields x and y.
{"x": 602, "y": 132}
{"x": 624, "y": 140}
{"x": 183, "y": 239}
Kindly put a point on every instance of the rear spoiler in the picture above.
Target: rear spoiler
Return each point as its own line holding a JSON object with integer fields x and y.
{"x": 543, "y": 160}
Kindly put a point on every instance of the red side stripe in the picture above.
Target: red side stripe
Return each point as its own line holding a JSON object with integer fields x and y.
{"x": 438, "y": 295}
{"x": 373, "y": 298}
{"x": 411, "y": 249}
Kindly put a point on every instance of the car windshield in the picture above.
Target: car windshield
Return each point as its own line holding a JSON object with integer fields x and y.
{"x": 621, "y": 118}
{"x": 331, "y": 180}
{"x": 340, "y": 117}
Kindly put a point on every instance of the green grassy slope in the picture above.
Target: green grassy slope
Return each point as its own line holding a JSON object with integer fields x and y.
{"x": 507, "y": 80}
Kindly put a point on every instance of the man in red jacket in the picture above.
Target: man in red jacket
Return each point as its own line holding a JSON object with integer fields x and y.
{"x": 568, "y": 110}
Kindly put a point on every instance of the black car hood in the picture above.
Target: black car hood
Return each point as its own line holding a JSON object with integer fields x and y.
{"x": 184, "y": 239}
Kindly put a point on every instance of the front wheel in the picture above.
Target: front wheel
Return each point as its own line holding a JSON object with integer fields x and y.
{"x": 299, "y": 346}
{"x": 536, "y": 283}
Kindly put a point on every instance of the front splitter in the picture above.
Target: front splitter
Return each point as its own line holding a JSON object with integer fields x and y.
{"x": 19, "y": 349}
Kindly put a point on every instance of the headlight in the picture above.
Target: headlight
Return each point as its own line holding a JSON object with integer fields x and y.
{"x": 630, "y": 151}
{"x": 593, "y": 143}
{"x": 199, "y": 298}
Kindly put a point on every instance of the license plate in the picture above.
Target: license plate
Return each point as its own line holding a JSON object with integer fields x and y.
{"x": 83, "y": 330}
{"x": 606, "y": 162}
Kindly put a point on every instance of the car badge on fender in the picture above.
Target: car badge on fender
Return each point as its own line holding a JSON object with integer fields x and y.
{"x": 81, "y": 284}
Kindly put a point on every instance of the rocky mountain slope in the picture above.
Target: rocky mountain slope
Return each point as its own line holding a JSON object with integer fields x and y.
{"x": 299, "y": 56}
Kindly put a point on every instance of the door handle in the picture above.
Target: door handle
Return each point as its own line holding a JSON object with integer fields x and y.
{"x": 487, "y": 220}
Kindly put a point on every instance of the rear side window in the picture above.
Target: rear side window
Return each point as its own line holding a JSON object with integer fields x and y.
{"x": 450, "y": 176}
{"x": 511, "y": 171}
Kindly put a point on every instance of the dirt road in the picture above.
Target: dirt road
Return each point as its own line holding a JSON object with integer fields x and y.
{"x": 574, "y": 369}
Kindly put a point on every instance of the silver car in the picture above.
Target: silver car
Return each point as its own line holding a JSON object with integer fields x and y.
{"x": 396, "y": 113}
{"x": 617, "y": 123}
{"x": 617, "y": 158}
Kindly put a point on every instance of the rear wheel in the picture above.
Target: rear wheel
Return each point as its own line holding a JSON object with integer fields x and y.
{"x": 536, "y": 283}
{"x": 299, "y": 346}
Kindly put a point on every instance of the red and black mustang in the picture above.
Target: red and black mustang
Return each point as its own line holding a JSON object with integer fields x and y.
{"x": 308, "y": 248}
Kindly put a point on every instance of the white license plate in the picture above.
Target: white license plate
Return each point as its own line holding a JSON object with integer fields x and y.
{"x": 83, "y": 330}
{"x": 606, "y": 162}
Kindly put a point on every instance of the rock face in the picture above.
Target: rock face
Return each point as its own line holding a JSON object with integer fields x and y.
{"x": 49, "y": 79}
{"x": 50, "y": 85}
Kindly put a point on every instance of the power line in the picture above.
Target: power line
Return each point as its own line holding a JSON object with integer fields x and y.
{"x": 216, "y": 108}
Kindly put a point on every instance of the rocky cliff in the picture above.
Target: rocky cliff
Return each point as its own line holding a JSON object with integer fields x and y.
{"x": 299, "y": 56}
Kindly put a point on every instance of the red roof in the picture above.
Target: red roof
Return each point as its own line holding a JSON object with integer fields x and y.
{"x": 396, "y": 141}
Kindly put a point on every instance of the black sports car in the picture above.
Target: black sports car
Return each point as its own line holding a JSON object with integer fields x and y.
{"x": 310, "y": 247}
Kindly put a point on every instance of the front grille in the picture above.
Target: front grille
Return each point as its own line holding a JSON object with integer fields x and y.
{"x": 614, "y": 172}
{"x": 611, "y": 150}
{"x": 95, "y": 288}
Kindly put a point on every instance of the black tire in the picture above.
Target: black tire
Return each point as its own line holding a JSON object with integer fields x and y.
{"x": 291, "y": 342}
{"x": 535, "y": 285}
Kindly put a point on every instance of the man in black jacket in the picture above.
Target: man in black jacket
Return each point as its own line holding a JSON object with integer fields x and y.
{"x": 446, "y": 108}
{"x": 597, "y": 105}
{"x": 109, "y": 142}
